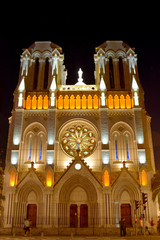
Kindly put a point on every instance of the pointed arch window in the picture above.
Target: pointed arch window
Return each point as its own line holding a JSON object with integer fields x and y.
{"x": 66, "y": 102}
{"x": 40, "y": 102}
{"x": 116, "y": 101}
{"x": 122, "y": 101}
{"x": 30, "y": 147}
{"x": 110, "y": 101}
{"x": 95, "y": 100}
{"x": 84, "y": 104}
{"x": 78, "y": 102}
{"x": 106, "y": 179}
{"x": 28, "y": 102}
{"x": 121, "y": 73}
{"x": 60, "y": 102}
{"x": 89, "y": 102}
{"x": 49, "y": 179}
{"x": 127, "y": 147}
{"x": 144, "y": 178}
{"x": 46, "y": 74}
{"x": 111, "y": 73}
{"x": 41, "y": 144}
{"x": 72, "y": 102}
{"x": 128, "y": 101}
{"x": 116, "y": 146}
{"x": 35, "y": 83}
{"x": 34, "y": 102}
{"x": 12, "y": 179}
{"x": 45, "y": 103}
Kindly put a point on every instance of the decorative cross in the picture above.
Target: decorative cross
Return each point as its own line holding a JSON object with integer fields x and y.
{"x": 124, "y": 164}
{"x": 32, "y": 164}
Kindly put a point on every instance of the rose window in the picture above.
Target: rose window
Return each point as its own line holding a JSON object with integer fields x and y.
{"x": 79, "y": 138}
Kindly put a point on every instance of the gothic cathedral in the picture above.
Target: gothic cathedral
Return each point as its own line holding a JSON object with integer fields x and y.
{"x": 78, "y": 156}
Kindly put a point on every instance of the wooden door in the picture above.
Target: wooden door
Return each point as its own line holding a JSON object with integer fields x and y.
{"x": 73, "y": 216}
{"x": 84, "y": 216}
{"x": 126, "y": 214}
{"x": 32, "y": 214}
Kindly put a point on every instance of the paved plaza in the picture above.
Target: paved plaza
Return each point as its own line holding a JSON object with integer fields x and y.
{"x": 78, "y": 238}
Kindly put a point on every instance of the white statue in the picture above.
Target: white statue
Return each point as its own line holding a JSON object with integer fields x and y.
{"x": 101, "y": 63}
{"x": 80, "y": 79}
{"x": 132, "y": 63}
{"x": 55, "y": 63}
{"x": 25, "y": 62}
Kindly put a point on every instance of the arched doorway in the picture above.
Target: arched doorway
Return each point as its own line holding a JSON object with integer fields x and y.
{"x": 126, "y": 208}
{"x": 32, "y": 214}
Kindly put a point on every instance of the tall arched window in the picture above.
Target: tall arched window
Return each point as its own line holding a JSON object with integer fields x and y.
{"x": 111, "y": 73}
{"x": 12, "y": 179}
{"x": 35, "y": 83}
{"x": 45, "y": 102}
{"x": 40, "y": 102}
{"x": 89, "y": 102}
{"x": 110, "y": 101}
{"x": 41, "y": 145}
{"x": 122, "y": 102}
{"x": 84, "y": 103}
{"x": 127, "y": 147}
{"x": 66, "y": 102}
{"x": 34, "y": 102}
{"x": 60, "y": 102}
{"x": 121, "y": 73}
{"x": 28, "y": 102}
{"x": 49, "y": 179}
{"x": 46, "y": 74}
{"x": 106, "y": 179}
{"x": 116, "y": 101}
{"x": 95, "y": 101}
{"x": 30, "y": 147}
{"x": 78, "y": 102}
{"x": 144, "y": 178}
{"x": 116, "y": 147}
{"x": 128, "y": 101}
{"x": 72, "y": 102}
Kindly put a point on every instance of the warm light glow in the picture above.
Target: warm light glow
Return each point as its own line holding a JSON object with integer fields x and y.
{"x": 84, "y": 103}
{"x": 110, "y": 101}
{"x": 72, "y": 102}
{"x": 45, "y": 103}
{"x": 49, "y": 179}
{"x": 116, "y": 101}
{"x": 122, "y": 102}
{"x": 28, "y": 102}
{"x": 144, "y": 178}
{"x": 78, "y": 102}
{"x": 40, "y": 102}
{"x": 66, "y": 102}
{"x": 60, "y": 102}
{"x": 95, "y": 100}
{"x": 106, "y": 179}
{"x": 34, "y": 102}
{"x": 89, "y": 102}
{"x": 12, "y": 179}
{"x": 128, "y": 101}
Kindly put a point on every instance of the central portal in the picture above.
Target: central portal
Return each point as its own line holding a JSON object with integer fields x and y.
{"x": 126, "y": 214}
{"x": 83, "y": 216}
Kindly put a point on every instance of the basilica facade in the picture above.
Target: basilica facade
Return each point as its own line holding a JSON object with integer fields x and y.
{"x": 78, "y": 156}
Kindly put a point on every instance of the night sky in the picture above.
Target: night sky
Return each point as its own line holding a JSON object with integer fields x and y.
{"x": 78, "y": 52}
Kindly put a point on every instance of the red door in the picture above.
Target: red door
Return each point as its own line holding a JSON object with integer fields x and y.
{"x": 32, "y": 214}
{"x": 126, "y": 214}
{"x": 73, "y": 216}
{"x": 84, "y": 216}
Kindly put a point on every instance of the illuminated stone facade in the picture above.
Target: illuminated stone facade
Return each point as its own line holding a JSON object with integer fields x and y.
{"x": 83, "y": 152}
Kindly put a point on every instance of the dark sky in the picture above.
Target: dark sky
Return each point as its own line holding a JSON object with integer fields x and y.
{"x": 78, "y": 51}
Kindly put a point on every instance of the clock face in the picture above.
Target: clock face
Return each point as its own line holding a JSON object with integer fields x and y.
{"x": 79, "y": 137}
{"x": 78, "y": 166}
